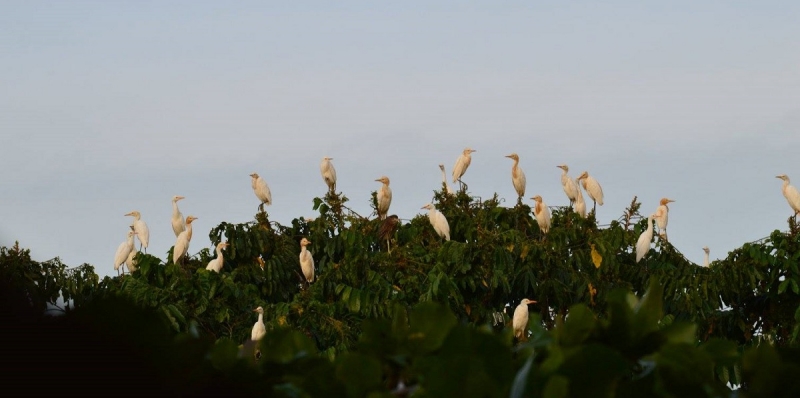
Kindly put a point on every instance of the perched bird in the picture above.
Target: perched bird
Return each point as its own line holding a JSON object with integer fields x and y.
{"x": 124, "y": 249}
{"x": 462, "y": 163}
{"x": 384, "y": 197}
{"x": 438, "y": 221}
{"x": 387, "y": 230}
{"x": 178, "y": 223}
{"x": 217, "y": 263}
{"x": 130, "y": 262}
{"x": 661, "y": 215}
{"x": 542, "y": 214}
{"x": 328, "y": 173}
{"x": 517, "y": 177}
{"x": 643, "y": 244}
{"x": 444, "y": 180}
{"x": 259, "y": 329}
{"x": 520, "y": 322}
{"x": 592, "y": 187}
{"x": 705, "y": 257}
{"x": 306, "y": 261}
{"x": 791, "y": 194}
{"x": 261, "y": 190}
{"x": 140, "y": 228}
{"x": 580, "y": 205}
{"x": 569, "y": 185}
{"x": 182, "y": 243}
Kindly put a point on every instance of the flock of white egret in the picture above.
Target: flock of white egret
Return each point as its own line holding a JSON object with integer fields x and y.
{"x": 572, "y": 188}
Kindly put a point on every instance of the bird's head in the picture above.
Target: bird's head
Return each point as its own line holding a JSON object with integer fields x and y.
{"x": 304, "y": 242}
{"x": 327, "y": 158}
{"x": 783, "y": 177}
{"x": 537, "y": 198}
{"x": 441, "y": 167}
{"x": 222, "y": 245}
{"x": 190, "y": 219}
{"x": 513, "y": 156}
{"x": 664, "y": 201}
{"x": 468, "y": 150}
{"x": 254, "y": 175}
{"x": 134, "y": 213}
{"x": 563, "y": 167}
{"x": 705, "y": 249}
{"x": 527, "y": 301}
{"x": 130, "y": 234}
{"x": 260, "y": 310}
{"x": 427, "y": 206}
{"x": 384, "y": 180}
{"x": 583, "y": 175}
{"x": 177, "y": 198}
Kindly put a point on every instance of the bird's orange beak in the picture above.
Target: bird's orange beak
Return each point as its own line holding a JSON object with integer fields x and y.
{"x": 533, "y": 302}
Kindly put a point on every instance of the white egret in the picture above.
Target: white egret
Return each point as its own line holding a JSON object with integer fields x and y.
{"x": 790, "y": 193}
{"x": 259, "y": 329}
{"x": 306, "y": 261}
{"x": 328, "y": 173}
{"x": 217, "y": 263}
{"x": 141, "y": 230}
{"x": 592, "y": 187}
{"x": 384, "y": 197}
{"x": 643, "y": 244}
{"x": 182, "y": 243}
{"x": 542, "y": 214}
{"x": 661, "y": 215}
{"x": 705, "y": 257}
{"x": 520, "y": 321}
{"x": 178, "y": 223}
{"x": 124, "y": 249}
{"x": 261, "y": 190}
{"x": 444, "y": 180}
{"x": 130, "y": 262}
{"x": 438, "y": 221}
{"x": 580, "y": 205}
{"x": 569, "y": 185}
{"x": 462, "y": 163}
{"x": 517, "y": 177}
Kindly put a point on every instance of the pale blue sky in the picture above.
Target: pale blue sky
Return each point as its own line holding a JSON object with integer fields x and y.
{"x": 108, "y": 107}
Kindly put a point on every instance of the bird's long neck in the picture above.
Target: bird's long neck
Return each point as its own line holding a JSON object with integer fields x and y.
{"x": 785, "y": 184}
{"x": 261, "y": 318}
{"x": 189, "y": 231}
{"x": 175, "y": 212}
{"x": 444, "y": 176}
{"x": 130, "y": 240}
{"x": 219, "y": 253}
{"x": 705, "y": 259}
{"x": 303, "y": 249}
{"x": 649, "y": 223}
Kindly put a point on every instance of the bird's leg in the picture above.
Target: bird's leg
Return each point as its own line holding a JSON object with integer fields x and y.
{"x": 594, "y": 206}
{"x": 388, "y": 246}
{"x": 519, "y": 201}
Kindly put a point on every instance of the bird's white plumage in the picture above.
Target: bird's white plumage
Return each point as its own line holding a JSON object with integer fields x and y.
{"x": 444, "y": 180}
{"x": 261, "y": 189}
{"x": 462, "y": 163}
{"x": 140, "y": 228}
{"x": 520, "y": 321}
{"x": 643, "y": 244}
{"x": 705, "y": 256}
{"x": 790, "y": 193}
{"x": 306, "y": 261}
{"x": 130, "y": 262}
{"x": 259, "y": 329}
{"x": 568, "y": 184}
{"x": 542, "y": 214}
{"x": 661, "y": 216}
{"x": 178, "y": 222}
{"x": 182, "y": 242}
{"x": 517, "y": 175}
{"x": 124, "y": 249}
{"x": 217, "y": 263}
{"x": 438, "y": 221}
{"x": 592, "y": 187}
{"x": 384, "y": 197}
{"x": 580, "y": 204}
{"x": 328, "y": 173}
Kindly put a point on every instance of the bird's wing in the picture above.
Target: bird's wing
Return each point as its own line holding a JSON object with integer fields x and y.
{"x": 458, "y": 168}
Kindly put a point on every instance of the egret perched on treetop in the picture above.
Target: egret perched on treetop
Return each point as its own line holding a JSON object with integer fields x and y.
{"x": 462, "y": 163}
{"x": 328, "y": 173}
{"x": 306, "y": 261}
{"x": 542, "y": 214}
{"x": 178, "y": 223}
{"x": 705, "y": 257}
{"x": 259, "y": 329}
{"x": 384, "y": 197}
{"x": 569, "y": 185}
{"x": 520, "y": 322}
{"x": 438, "y": 221}
{"x": 444, "y": 180}
{"x": 182, "y": 243}
{"x": 217, "y": 263}
{"x": 261, "y": 190}
{"x": 643, "y": 244}
{"x": 123, "y": 250}
{"x": 592, "y": 187}
{"x": 517, "y": 177}
{"x": 661, "y": 217}
{"x": 140, "y": 228}
{"x": 791, "y": 194}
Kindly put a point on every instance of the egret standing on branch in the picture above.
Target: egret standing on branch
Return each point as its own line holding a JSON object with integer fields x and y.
{"x": 306, "y": 261}
{"x": 438, "y": 221}
{"x": 580, "y": 205}
{"x": 643, "y": 244}
{"x": 569, "y": 185}
{"x": 462, "y": 163}
{"x": 140, "y": 228}
{"x": 444, "y": 180}
{"x": 182, "y": 243}
{"x": 705, "y": 257}
{"x": 178, "y": 223}
{"x": 517, "y": 177}
{"x": 542, "y": 214}
{"x": 328, "y": 173}
{"x": 592, "y": 187}
{"x": 791, "y": 194}
{"x": 217, "y": 263}
{"x": 661, "y": 215}
{"x": 520, "y": 322}
{"x": 261, "y": 190}
{"x": 384, "y": 197}
{"x": 124, "y": 249}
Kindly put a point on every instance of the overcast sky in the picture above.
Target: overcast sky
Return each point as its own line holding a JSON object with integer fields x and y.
{"x": 110, "y": 106}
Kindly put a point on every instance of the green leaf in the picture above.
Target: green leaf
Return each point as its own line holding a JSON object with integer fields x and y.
{"x": 556, "y": 387}
{"x": 359, "y": 373}
{"x": 430, "y": 322}
{"x": 223, "y": 355}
